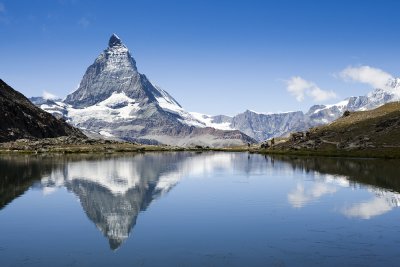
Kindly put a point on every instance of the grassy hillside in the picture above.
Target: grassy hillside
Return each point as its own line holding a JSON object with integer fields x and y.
{"x": 364, "y": 133}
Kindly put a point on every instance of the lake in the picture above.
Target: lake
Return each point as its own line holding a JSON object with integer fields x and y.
{"x": 198, "y": 209}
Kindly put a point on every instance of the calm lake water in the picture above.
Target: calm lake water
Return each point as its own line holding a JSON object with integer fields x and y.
{"x": 198, "y": 209}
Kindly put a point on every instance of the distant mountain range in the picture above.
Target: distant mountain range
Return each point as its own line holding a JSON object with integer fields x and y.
{"x": 262, "y": 126}
{"x": 115, "y": 101}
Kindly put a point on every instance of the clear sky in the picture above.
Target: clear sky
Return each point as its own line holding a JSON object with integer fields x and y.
{"x": 213, "y": 56}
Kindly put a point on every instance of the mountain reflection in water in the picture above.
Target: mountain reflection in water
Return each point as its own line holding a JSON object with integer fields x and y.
{"x": 113, "y": 190}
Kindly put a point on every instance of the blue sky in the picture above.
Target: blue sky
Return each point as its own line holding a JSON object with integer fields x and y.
{"x": 214, "y": 57}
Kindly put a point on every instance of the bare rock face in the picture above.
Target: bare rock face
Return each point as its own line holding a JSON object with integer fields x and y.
{"x": 264, "y": 126}
{"x": 21, "y": 119}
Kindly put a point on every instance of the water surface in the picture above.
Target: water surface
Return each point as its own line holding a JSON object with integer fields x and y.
{"x": 198, "y": 209}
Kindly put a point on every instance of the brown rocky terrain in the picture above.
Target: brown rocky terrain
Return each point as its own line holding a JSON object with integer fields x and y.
{"x": 376, "y": 131}
{"x": 19, "y": 118}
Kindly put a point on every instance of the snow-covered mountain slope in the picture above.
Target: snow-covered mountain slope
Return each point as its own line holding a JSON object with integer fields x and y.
{"x": 323, "y": 114}
{"x": 115, "y": 100}
{"x": 218, "y": 122}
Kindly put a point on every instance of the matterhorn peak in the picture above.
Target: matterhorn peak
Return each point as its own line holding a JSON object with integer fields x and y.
{"x": 116, "y": 101}
{"x": 114, "y": 41}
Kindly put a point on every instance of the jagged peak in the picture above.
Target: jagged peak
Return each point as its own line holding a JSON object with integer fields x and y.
{"x": 114, "y": 41}
{"x": 393, "y": 83}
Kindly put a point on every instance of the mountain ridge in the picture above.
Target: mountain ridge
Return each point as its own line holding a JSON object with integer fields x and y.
{"x": 21, "y": 119}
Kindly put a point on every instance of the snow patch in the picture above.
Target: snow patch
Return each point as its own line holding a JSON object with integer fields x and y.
{"x": 49, "y": 96}
{"x": 207, "y": 120}
{"x": 117, "y": 107}
{"x": 340, "y": 105}
{"x": 167, "y": 103}
{"x": 105, "y": 133}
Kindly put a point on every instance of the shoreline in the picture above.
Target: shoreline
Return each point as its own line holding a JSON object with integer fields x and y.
{"x": 362, "y": 153}
{"x": 53, "y": 146}
{"x": 68, "y": 145}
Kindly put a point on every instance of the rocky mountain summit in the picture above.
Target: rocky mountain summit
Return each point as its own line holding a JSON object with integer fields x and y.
{"x": 116, "y": 101}
{"x": 21, "y": 119}
{"x": 114, "y": 72}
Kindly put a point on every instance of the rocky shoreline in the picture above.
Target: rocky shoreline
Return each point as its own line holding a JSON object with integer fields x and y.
{"x": 73, "y": 145}
{"x": 76, "y": 145}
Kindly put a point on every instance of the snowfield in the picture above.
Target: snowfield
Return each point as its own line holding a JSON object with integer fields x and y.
{"x": 117, "y": 107}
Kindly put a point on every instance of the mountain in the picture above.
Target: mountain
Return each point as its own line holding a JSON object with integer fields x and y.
{"x": 115, "y": 100}
{"x": 21, "y": 119}
{"x": 262, "y": 126}
{"x": 375, "y": 130}
{"x": 327, "y": 113}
